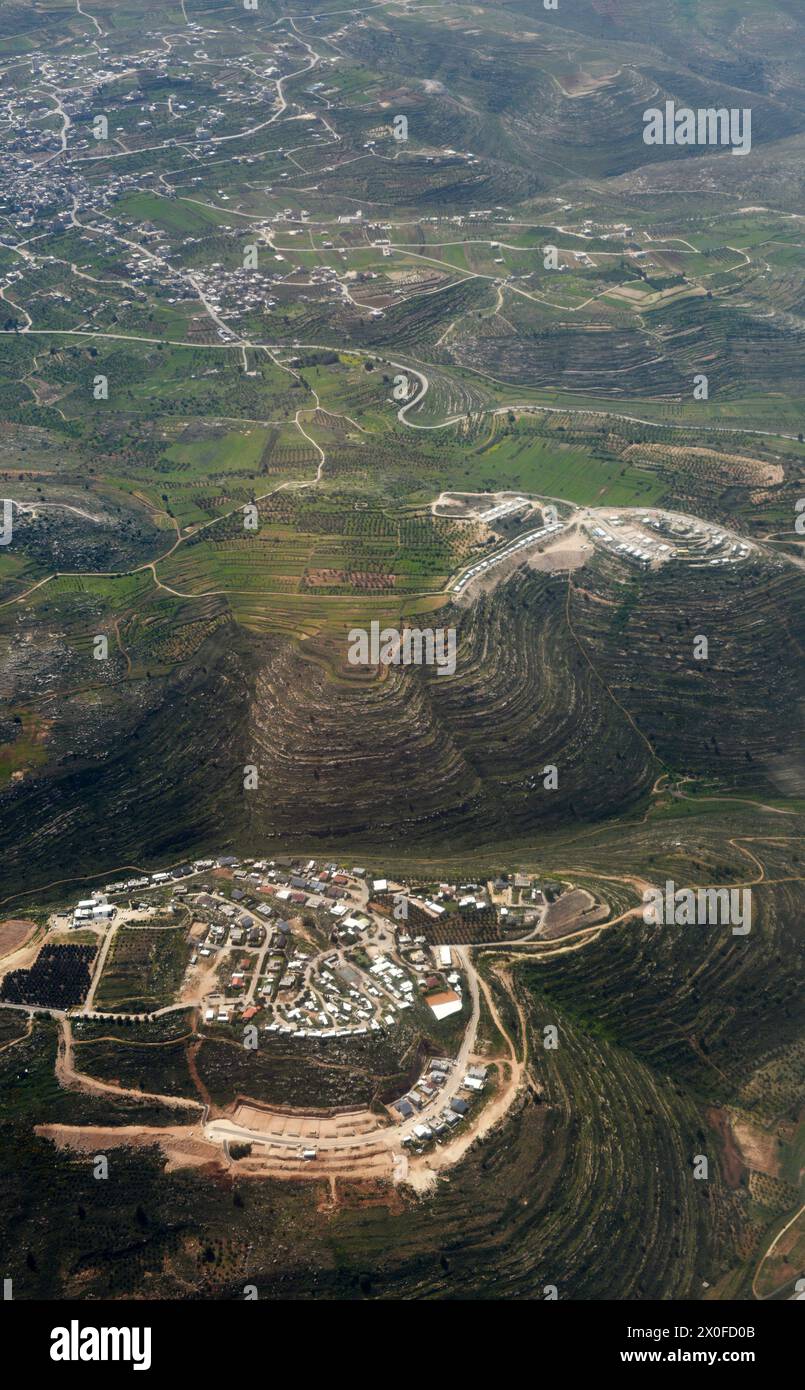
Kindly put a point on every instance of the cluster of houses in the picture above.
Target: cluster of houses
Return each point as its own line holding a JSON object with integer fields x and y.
{"x": 346, "y": 995}
{"x": 677, "y": 538}
{"x": 46, "y": 184}
{"x": 533, "y": 538}
{"x": 382, "y": 961}
{"x": 238, "y": 927}
{"x": 348, "y": 991}
{"x": 423, "y": 1097}
{"x": 442, "y": 990}
{"x": 284, "y": 885}
{"x": 340, "y": 996}
{"x": 274, "y": 877}
{"x": 338, "y": 1001}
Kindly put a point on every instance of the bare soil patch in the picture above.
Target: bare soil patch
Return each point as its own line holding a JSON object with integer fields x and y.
{"x": 758, "y": 1149}
{"x": 570, "y": 912}
{"x": 182, "y": 1145}
{"x": 568, "y": 553}
{"x": 14, "y": 933}
{"x": 731, "y": 1160}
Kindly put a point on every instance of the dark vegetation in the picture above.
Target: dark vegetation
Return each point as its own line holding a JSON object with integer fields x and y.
{"x": 59, "y": 977}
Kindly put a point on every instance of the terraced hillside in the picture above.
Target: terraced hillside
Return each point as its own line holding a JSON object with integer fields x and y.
{"x": 541, "y": 1204}
{"x": 596, "y": 676}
